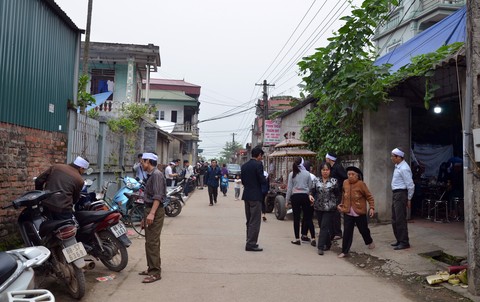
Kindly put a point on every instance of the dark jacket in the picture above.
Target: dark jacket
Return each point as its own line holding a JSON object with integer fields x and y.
{"x": 252, "y": 180}
{"x": 212, "y": 177}
{"x": 338, "y": 172}
{"x": 65, "y": 178}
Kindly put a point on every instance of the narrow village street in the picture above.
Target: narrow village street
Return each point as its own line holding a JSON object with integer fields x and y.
{"x": 203, "y": 259}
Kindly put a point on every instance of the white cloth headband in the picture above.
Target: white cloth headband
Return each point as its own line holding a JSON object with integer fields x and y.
{"x": 330, "y": 157}
{"x": 80, "y": 162}
{"x": 398, "y": 152}
{"x": 150, "y": 156}
{"x": 301, "y": 166}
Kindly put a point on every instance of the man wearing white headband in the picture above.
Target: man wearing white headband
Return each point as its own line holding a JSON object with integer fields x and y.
{"x": 154, "y": 195}
{"x": 338, "y": 172}
{"x": 402, "y": 193}
{"x": 67, "y": 179}
{"x": 169, "y": 175}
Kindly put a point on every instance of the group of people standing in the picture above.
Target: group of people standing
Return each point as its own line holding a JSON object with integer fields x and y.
{"x": 342, "y": 191}
{"x": 336, "y": 191}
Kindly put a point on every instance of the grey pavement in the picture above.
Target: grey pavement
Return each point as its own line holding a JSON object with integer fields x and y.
{"x": 204, "y": 259}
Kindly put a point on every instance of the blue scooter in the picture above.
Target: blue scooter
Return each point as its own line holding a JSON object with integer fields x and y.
{"x": 119, "y": 200}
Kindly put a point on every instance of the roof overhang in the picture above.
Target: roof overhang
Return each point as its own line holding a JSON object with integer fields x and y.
{"x": 145, "y": 56}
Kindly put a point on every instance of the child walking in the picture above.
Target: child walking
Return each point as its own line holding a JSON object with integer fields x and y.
{"x": 237, "y": 184}
{"x": 224, "y": 184}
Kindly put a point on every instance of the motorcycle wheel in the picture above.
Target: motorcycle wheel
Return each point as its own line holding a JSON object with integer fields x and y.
{"x": 116, "y": 257}
{"x": 174, "y": 208}
{"x": 73, "y": 277}
{"x": 135, "y": 217}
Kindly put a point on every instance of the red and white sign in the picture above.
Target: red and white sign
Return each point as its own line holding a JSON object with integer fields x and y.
{"x": 272, "y": 132}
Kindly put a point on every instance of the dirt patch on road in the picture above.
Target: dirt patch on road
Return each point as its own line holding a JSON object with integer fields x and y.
{"x": 414, "y": 286}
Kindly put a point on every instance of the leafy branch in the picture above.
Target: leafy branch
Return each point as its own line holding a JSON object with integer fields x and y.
{"x": 343, "y": 78}
{"x": 130, "y": 118}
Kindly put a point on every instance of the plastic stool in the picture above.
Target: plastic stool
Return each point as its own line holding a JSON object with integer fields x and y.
{"x": 439, "y": 203}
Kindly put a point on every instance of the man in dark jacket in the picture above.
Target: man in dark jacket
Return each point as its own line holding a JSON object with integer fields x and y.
{"x": 212, "y": 178}
{"x": 67, "y": 179}
{"x": 252, "y": 180}
{"x": 338, "y": 172}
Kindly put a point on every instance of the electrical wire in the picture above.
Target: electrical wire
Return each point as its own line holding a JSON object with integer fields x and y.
{"x": 288, "y": 40}
{"x": 294, "y": 59}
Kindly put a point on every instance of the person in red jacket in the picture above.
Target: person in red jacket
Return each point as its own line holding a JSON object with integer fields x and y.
{"x": 355, "y": 198}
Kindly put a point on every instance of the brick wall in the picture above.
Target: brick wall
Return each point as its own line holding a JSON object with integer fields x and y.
{"x": 24, "y": 154}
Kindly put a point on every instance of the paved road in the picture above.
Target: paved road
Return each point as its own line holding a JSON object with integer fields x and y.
{"x": 203, "y": 259}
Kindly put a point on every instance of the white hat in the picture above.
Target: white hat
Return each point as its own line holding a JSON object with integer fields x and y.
{"x": 172, "y": 163}
{"x": 80, "y": 162}
{"x": 150, "y": 156}
{"x": 398, "y": 152}
{"x": 331, "y": 157}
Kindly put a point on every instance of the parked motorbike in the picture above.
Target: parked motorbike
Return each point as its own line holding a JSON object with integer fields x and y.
{"x": 88, "y": 202}
{"x": 17, "y": 275}
{"x": 100, "y": 232}
{"x": 86, "y": 198}
{"x": 119, "y": 200}
{"x": 66, "y": 260}
{"x": 174, "y": 202}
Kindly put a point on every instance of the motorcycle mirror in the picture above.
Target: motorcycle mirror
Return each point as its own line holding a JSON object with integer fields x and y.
{"x": 88, "y": 182}
{"x": 89, "y": 171}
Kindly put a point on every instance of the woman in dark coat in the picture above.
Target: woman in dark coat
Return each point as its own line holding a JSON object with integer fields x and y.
{"x": 326, "y": 191}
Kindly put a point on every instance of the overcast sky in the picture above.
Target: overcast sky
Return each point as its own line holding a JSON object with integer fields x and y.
{"x": 224, "y": 46}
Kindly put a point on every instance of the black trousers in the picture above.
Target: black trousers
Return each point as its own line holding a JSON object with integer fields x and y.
{"x": 337, "y": 224}
{"x": 300, "y": 203}
{"x": 399, "y": 216}
{"x": 308, "y": 225}
{"x": 349, "y": 223}
{"x": 253, "y": 214}
{"x": 212, "y": 194}
{"x": 325, "y": 221}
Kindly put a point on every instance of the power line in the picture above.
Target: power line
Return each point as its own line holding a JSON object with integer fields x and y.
{"x": 294, "y": 43}
{"x": 288, "y": 40}
{"x": 294, "y": 59}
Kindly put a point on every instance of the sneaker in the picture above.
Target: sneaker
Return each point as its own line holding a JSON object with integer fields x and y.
{"x": 337, "y": 237}
{"x": 313, "y": 243}
{"x": 342, "y": 255}
{"x": 297, "y": 242}
{"x": 371, "y": 246}
{"x": 320, "y": 252}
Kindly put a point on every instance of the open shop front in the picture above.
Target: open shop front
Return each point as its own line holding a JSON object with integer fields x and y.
{"x": 436, "y": 160}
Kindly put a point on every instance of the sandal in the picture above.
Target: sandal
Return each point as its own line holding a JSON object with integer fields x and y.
{"x": 151, "y": 278}
{"x": 144, "y": 273}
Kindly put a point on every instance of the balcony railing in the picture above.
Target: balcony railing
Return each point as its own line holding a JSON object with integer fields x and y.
{"x": 432, "y": 4}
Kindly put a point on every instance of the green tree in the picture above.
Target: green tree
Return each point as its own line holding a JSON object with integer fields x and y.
{"x": 228, "y": 153}
{"x": 343, "y": 78}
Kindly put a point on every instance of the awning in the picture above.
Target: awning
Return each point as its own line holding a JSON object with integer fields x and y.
{"x": 166, "y": 125}
{"x": 100, "y": 98}
{"x": 450, "y": 30}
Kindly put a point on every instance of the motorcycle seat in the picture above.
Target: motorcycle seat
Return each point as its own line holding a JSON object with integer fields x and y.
{"x": 8, "y": 265}
{"x": 50, "y": 225}
{"x": 86, "y": 217}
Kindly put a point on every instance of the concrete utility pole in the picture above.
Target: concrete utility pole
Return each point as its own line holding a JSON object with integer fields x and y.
{"x": 265, "y": 106}
{"x": 471, "y": 172}
{"x": 86, "y": 48}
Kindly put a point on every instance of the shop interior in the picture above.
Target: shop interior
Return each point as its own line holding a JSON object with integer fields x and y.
{"x": 436, "y": 161}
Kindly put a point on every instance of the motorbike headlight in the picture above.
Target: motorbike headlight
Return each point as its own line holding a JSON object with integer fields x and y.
{"x": 130, "y": 185}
